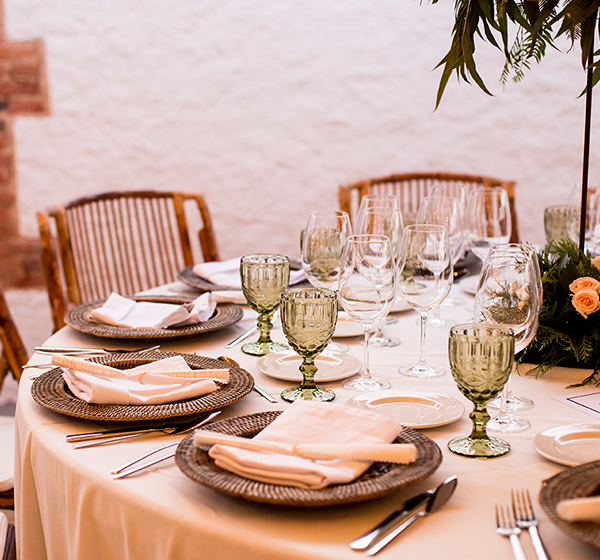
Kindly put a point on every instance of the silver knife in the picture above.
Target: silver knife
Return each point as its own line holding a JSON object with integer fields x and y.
{"x": 435, "y": 502}
{"x": 242, "y": 337}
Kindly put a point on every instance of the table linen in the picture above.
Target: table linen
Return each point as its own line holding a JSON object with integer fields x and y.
{"x": 68, "y": 505}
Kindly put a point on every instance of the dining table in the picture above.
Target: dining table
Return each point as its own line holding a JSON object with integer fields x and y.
{"x": 69, "y": 506}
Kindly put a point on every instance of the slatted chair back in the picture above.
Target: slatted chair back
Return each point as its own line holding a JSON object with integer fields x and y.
{"x": 411, "y": 188}
{"x": 123, "y": 242}
{"x": 14, "y": 355}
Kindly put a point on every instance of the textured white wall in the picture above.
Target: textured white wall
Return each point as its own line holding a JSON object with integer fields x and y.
{"x": 266, "y": 107}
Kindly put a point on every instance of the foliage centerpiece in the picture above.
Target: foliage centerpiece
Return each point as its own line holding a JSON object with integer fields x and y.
{"x": 569, "y": 326}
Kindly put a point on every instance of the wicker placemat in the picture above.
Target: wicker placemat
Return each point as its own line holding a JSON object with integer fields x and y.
{"x": 51, "y": 391}
{"x": 225, "y": 315}
{"x": 576, "y": 482}
{"x": 381, "y": 479}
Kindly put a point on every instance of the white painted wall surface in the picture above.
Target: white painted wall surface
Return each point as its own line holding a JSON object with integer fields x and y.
{"x": 267, "y": 106}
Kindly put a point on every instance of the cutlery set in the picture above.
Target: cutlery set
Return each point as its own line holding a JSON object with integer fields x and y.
{"x": 510, "y": 522}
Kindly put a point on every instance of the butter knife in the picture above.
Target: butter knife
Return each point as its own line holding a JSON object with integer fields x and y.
{"x": 437, "y": 500}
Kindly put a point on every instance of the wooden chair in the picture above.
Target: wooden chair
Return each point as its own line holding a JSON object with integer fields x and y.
{"x": 121, "y": 241}
{"x": 411, "y": 188}
{"x": 14, "y": 357}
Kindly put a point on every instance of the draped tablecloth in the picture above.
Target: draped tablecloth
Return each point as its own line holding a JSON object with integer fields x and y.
{"x": 68, "y": 506}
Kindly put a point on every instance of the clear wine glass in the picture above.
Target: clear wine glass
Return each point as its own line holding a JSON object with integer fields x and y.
{"x": 424, "y": 279}
{"x": 322, "y": 246}
{"x": 444, "y": 211}
{"x": 481, "y": 359}
{"x": 308, "y": 319}
{"x": 513, "y": 402}
{"x": 509, "y": 294}
{"x": 382, "y": 220}
{"x": 367, "y": 293}
{"x": 592, "y": 223}
{"x": 489, "y": 219}
{"x": 264, "y": 277}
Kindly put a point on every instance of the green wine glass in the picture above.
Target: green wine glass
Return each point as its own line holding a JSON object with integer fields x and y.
{"x": 264, "y": 277}
{"x": 308, "y": 318}
{"x": 481, "y": 358}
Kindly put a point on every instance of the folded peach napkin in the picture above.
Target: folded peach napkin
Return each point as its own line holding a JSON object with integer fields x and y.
{"x": 227, "y": 273}
{"x": 162, "y": 381}
{"x": 124, "y": 312}
{"x": 308, "y": 422}
{"x": 579, "y": 509}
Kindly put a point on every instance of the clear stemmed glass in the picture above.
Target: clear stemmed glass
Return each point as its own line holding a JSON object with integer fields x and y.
{"x": 367, "y": 292}
{"x": 264, "y": 277}
{"x": 424, "y": 279}
{"x": 509, "y": 294}
{"x": 382, "y": 220}
{"x": 518, "y": 403}
{"x": 489, "y": 219}
{"x": 444, "y": 211}
{"x": 481, "y": 359}
{"x": 592, "y": 224}
{"x": 308, "y": 319}
{"x": 322, "y": 246}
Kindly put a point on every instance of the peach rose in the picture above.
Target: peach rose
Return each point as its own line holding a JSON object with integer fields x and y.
{"x": 596, "y": 262}
{"x": 584, "y": 283}
{"x": 586, "y": 302}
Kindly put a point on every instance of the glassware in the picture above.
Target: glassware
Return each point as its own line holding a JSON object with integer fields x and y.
{"x": 592, "y": 223}
{"x": 308, "y": 318}
{"x": 382, "y": 220}
{"x": 555, "y": 222}
{"x": 481, "y": 358}
{"x": 424, "y": 279}
{"x": 489, "y": 220}
{"x": 264, "y": 277}
{"x": 509, "y": 294}
{"x": 444, "y": 211}
{"x": 367, "y": 293}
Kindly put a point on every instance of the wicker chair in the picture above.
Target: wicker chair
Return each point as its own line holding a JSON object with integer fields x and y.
{"x": 120, "y": 241}
{"x": 14, "y": 357}
{"x": 411, "y": 188}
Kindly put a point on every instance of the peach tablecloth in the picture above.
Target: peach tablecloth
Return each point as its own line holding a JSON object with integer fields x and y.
{"x": 69, "y": 507}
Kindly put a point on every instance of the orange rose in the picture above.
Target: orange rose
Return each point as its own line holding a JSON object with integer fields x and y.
{"x": 584, "y": 283}
{"x": 596, "y": 262}
{"x": 586, "y": 302}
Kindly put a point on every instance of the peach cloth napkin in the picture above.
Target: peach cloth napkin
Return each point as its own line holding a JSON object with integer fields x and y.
{"x": 227, "y": 273}
{"x": 309, "y": 422}
{"x": 579, "y": 509}
{"x": 124, "y": 312}
{"x": 140, "y": 385}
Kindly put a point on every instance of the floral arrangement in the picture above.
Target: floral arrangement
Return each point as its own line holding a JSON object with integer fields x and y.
{"x": 569, "y": 327}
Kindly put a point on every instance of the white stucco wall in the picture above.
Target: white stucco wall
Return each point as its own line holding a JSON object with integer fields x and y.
{"x": 266, "y": 107}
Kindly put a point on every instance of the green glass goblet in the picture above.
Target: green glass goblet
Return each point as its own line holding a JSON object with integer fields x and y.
{"x": 481, "y": 357}
{"x": 264, "y": 277}
{"x": 308, "y": 318}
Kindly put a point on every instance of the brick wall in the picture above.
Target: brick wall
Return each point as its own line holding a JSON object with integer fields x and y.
{"x": 23, "y": 92}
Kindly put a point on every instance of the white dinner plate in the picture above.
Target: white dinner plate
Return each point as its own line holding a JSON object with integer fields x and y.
{"x": 400, "y": 305}
{"x": 469, "y": 284}
{"x": 414, "y": 409}
{"x": 346, "y": 326}
{"x": 571, "y": 445}
{"x": 330, "y": 366}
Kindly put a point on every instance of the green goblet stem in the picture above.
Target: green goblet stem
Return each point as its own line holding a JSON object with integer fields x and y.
{"x": 264, "y": 329}
{"x": 308, "y": 370}
{"x": 480, "y": 418}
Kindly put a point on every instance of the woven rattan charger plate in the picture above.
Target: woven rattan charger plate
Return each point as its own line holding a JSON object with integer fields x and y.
{"x": 225, "y": 315}
{"x": 576, "y": 482}
{"x": 51, "y": 391}
{"x": 380, "y": 480}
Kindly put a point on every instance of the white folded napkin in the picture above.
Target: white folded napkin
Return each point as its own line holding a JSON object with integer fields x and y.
{"x": 309, "y": 422}
{"x": 229, "y": 296}
{"x": 163, "y": 381}
{"x": 579, "y": 509}
{"x": 124, "y": 312}
{"x": 227, "y": 273}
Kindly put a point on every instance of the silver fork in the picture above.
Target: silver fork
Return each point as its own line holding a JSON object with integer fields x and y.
{"x": 526, "y": 519}
{"x": 505, "y": 526}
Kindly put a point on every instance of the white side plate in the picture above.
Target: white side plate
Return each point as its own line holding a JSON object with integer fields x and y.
{"x": 330, "y": 366}
{"x": 411, "y": 408}
{"x": 571, "y": 445}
